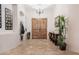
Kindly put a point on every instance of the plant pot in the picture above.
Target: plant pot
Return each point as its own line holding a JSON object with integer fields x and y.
{"x": 28, "y": 35}
{"x": 62, "y": 47}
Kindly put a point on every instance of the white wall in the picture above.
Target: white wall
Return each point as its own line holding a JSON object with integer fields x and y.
{"x": 72, "y": 12}
{"x": 11, "y": 38}
{"x": 8, "y": 38}
{"x": 48, "y": 13}
{"x": 74, "y": 27}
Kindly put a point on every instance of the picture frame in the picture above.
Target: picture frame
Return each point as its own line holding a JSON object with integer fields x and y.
{"x": 8, "y": 19}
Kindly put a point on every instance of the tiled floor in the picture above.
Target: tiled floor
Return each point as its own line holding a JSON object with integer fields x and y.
{"x": 37, "y": 47}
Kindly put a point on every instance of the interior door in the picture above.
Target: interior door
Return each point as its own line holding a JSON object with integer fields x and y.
{"x": 43, "y": 28}
{"x": 39, "y": 28}
{"x": 35, "y": 28}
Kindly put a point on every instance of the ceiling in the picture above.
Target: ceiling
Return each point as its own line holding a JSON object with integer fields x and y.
{"x": 39, "y": 6}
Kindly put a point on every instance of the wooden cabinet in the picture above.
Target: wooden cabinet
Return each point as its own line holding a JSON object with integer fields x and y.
{"x": 39, "y": 28}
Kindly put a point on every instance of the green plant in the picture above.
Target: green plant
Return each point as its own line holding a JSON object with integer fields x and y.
{"x": 61, "y": 24}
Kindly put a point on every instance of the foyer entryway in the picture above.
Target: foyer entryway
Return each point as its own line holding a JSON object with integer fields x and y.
{"x": 39, "y": 28}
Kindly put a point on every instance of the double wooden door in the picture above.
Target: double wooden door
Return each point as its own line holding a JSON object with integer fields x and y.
{"x": 39, "y": 28}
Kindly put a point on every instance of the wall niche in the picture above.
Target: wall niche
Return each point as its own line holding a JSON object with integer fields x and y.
{"x": 8, "y": 19}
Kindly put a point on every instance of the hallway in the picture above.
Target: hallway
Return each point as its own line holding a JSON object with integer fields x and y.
{"x": 37, "y": 47}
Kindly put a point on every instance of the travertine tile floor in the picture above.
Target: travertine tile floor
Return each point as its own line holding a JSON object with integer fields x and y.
{"x": 37, "y": 47}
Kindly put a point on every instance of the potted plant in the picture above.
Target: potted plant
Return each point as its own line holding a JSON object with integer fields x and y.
{"x": 28, "y": 35}
{"x": 61, "y": 43}
{"x": 61, "y": 37}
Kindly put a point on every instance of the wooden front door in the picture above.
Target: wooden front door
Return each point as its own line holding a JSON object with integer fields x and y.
{"x": 39, "y": 28}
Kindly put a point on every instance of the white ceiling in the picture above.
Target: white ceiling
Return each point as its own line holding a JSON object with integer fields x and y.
{"x": 33, "y": 7}
{"x": 39, "y": 6}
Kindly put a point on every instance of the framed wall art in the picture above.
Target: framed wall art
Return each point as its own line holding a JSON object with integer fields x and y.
{"x": 8, "y": 19}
